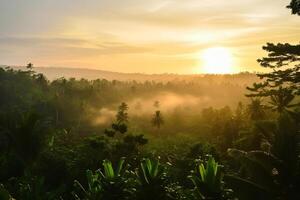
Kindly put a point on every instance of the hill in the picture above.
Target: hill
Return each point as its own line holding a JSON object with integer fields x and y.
{"x": 52, "y": 73}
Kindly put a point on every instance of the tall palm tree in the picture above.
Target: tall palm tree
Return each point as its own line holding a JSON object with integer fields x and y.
{"x": 157, "y": 119}
{"x": 256, "y": 109}
{"x": 281, "y": 100}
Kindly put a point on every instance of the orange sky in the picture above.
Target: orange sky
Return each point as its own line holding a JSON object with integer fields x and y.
{"x": 157, "y": 36}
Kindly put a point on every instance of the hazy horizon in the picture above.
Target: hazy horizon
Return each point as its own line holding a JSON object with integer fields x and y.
{"x": 37, "y": 68}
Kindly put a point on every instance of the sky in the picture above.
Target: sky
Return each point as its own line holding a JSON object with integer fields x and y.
{"x": 157, "y": 36}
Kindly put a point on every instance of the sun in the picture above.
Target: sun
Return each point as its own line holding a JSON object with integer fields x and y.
{"x": 217, "y": 60}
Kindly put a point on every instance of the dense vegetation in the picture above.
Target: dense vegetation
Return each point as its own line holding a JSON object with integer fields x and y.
{"x": 110, "y": 140}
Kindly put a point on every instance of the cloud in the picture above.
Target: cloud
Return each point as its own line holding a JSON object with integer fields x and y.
{"x": 65, "y": 45}
{"x": 62, "y": 51}
{"x": 147, "y": 36}
{"x": 33, "y": 41}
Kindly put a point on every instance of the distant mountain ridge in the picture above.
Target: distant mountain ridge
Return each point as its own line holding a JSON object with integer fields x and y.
{"x": 91, "y": 74}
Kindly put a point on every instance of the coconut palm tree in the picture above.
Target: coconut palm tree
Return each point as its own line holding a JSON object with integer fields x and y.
{"x": 157, "y": 119}
{"x": 256, "y": 109}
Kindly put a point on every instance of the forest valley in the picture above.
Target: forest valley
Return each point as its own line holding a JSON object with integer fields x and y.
{"x": 238, "y": 138}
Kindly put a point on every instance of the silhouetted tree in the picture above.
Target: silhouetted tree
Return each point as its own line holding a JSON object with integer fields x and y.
{"x": 281, "y": 100}
{"x": 280, "y": 85}
{"x": 280, "y": 55}
{"x": 283, "y": 82}
{"x": 122, "y": 115}
{"x": 157, "y": 119}
{"x": 239, "y": 112}
{"x": 120, "y": 125}
{"x": 256, "y": 109}
{"x": 295, "y": 7}
{"x": 29, "y": 66}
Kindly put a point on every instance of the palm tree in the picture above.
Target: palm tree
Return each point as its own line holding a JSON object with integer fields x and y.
{"x": 281, "y": 100}
{"x": 259, "y": 177}
{"x": 157, "y": 119}
{"x": 256, "y": 109}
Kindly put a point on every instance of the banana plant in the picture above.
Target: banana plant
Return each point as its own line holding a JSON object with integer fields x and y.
{"x": 261, "y": 173}
{"x": 108, "y": 184}
{"x": 208, "y": 181}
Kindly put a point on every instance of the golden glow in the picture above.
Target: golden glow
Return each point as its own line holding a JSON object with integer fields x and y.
{"x": 157, "y": 36}
{"x": 217, "y": 60}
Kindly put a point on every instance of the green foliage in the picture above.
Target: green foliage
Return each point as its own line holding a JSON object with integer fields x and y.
{"x": 152, "y": 181}
{"x": 281, "y": 100}
{"x": 286, "y": 147}
{"x": 266, "y": 175}
{"x": 66, "y": 137}
{"x": 24, "y": 138}
{"x": 245, "y": 189}
{"x": 256, "y": 110}
{"x": 94, "y": 189}
{"x": 201, "y": 150}
{"x": 258, "y": 137}
{"x": 130, "y": 146}
{"x": 4, "y": 194}
{"x": 108, "y": 184}
{"x": 116, "y": 128}
{"x": 281, "y": 85}
{"x": 122, "y": 115}
{"x": 274, "y": 171}
{"x": 31, "y": 187}
{"x": 120, "y": 126}
{"x": 79, "y": 156}
{"x": 260, "y": 171}
{"x": 151, "y": 172}
{"x": 208, "y": 181}
{"x": 109, "y": 132}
